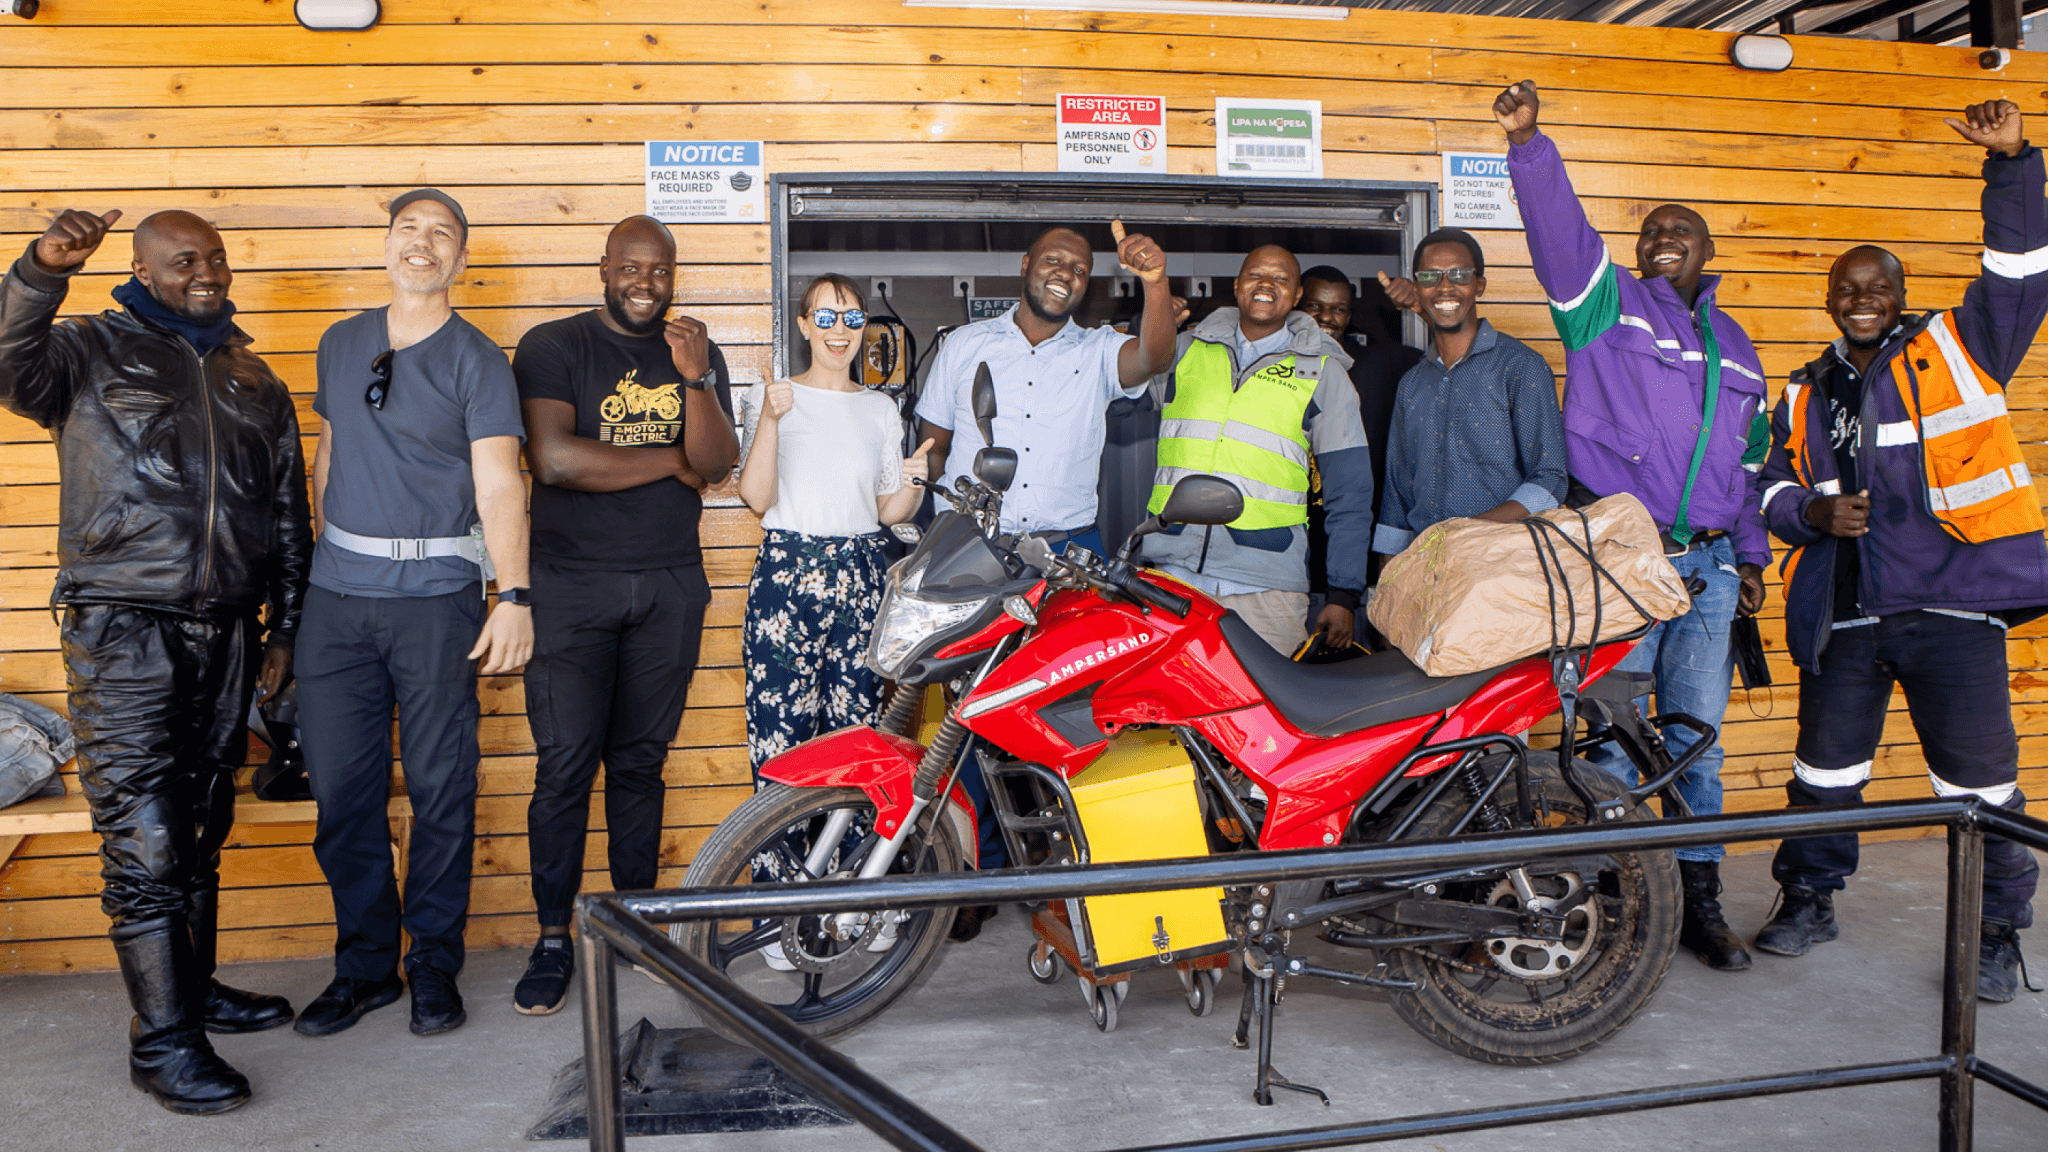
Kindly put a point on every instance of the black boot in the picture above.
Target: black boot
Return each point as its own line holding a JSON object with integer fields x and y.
{"x": 1806, "y": 916}
{"x": 1704, "y": 930}
{"x": 169, "y": 1056}
{"x": 2000, "y": 967}
{"x": 227, "y": 1010}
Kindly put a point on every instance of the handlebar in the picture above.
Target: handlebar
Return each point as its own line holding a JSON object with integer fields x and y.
{"x": 1139, "y": 589}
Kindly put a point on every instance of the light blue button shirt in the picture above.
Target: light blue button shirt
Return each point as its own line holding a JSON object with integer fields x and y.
{"x": 1050, "y": 406}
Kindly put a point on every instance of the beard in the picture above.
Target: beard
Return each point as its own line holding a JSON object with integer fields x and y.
{"x": 616, "y": 306}
{"x": 1870, "y": 345}
{"x": 205, "y": 314}
{"x": 1043, "y": 312}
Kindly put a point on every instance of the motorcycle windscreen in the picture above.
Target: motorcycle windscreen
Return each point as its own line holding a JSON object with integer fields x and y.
{"x": 1138, "y": 802}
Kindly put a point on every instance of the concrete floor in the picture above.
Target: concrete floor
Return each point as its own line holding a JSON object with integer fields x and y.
{"x": 1016, "y": 1065}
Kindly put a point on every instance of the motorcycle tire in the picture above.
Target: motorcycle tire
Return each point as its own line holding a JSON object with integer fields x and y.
{"x": 844, "y": 984}
{"x": 1537, "y": 1002}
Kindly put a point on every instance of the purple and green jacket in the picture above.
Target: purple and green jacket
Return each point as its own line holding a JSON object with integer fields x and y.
{"x": 1641, "y": 370}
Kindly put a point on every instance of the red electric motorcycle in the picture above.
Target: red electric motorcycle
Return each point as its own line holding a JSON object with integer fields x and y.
{"x": 1109, "y": 708}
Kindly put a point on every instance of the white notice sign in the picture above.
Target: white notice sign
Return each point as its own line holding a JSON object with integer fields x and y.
{"x": 1477, "y": 191}
{"x": 706, "y": 181}
{"x": 1269, "y": 138}
{"x": 1112, "y": 133}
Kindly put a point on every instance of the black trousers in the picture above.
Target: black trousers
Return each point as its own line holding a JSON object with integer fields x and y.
{"x": 357, "y": 656}
{"x": 159, "y": 705}
{"x": 1954, "y": 673}
{"x": 612, "y": 659}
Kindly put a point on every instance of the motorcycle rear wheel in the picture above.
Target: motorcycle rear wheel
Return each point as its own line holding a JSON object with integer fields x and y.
{"x": 765, "y": 840}
{"x": 1499, "y": 1002}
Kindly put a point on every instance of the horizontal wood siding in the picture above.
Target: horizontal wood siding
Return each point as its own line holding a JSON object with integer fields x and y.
{"x": 533, "y": 113}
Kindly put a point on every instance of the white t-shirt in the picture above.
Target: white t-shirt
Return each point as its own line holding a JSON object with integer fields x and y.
{"x": 835, "y": 454}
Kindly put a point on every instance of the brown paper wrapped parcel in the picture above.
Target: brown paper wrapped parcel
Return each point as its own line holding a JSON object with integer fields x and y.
{"x": 1469, "y": 595}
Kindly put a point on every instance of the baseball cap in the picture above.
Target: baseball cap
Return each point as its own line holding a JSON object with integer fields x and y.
{"x": 437, "y": 196}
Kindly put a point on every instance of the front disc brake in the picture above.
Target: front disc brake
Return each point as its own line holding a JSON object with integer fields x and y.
{"x": 793, "y": 944}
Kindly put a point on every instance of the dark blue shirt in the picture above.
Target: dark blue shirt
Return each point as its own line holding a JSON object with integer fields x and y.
{"x": 1471, "y": 437}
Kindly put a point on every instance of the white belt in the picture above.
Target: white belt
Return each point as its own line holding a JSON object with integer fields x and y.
{"x": 470, "y": 547}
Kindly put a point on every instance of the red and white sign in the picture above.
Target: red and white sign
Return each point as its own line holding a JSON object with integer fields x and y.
{"x": 1112, "y": 133}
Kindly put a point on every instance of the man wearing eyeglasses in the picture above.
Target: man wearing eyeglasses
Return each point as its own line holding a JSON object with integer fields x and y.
{"x": 1475, "y": 430}
{"x": 416, "y": 483}
{"x": 183, "y": 512}
{"x": 628, "y": 416}
{"x": 1664, "y": 398}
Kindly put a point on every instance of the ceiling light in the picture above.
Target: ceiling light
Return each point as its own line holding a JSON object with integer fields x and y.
{"x": 338, "y": 15}
{"x": 1152, "y": 7}
{"x": 1762, "y": 53}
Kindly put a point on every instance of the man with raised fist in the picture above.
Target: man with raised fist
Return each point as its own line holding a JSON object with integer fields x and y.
{"x": 183, "y": 513}
{"x": 1896, "y": 476}
{"x": 1663, "y": 399}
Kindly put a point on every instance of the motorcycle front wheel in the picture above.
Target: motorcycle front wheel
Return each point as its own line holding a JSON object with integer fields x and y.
{"x": 828, "y": 974}
{"x": 1537, "y": 1001}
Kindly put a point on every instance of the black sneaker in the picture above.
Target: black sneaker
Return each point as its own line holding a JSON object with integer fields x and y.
{"x": 2000, "y": 967}
{"x": 1806, "y": 916}
{"x": 344, "y": 1001}
{"x": 436, "y": 1005}
{"x": 545, "y": 987}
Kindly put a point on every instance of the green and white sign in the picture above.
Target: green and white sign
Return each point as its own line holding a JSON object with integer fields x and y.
{"x": 1264, "y": 138}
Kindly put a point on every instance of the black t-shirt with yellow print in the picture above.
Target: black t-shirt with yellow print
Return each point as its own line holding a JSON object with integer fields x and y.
{"x": 625, "y": 390}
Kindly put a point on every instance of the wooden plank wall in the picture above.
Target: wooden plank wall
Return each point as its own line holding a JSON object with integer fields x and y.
{"x": 533, "y": 113}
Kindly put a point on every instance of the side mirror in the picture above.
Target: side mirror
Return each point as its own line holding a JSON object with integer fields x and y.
{"x": 996, "y": 467}
{"x": 983, "y": 399}
{"x": 1202, "y": 500}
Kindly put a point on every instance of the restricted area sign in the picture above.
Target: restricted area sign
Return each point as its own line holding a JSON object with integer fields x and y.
{"x": 1112, "y": 133}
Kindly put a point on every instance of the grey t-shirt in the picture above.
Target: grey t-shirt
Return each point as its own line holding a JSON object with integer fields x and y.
{"x": 403, "y": 471}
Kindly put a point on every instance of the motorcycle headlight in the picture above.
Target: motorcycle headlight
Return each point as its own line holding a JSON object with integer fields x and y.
{"x": 907, "y": 620}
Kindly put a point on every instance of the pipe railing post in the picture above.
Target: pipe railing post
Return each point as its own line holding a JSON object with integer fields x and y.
{"x": 1959, "y": 981}
{"x": 603, "y": 1103}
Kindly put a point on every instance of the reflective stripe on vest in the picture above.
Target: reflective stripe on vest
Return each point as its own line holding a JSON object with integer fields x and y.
{"x": 1978, "y": 486}
{"x": 1250, "y": 435}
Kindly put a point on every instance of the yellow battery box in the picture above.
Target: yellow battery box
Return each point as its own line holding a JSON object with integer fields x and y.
{"x": 1138, "y": 802}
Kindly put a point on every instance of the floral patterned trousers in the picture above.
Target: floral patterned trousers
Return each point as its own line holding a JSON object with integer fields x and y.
{"x": 810, "y": 607}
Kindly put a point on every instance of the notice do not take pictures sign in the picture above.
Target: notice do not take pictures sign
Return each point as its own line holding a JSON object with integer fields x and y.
{"x": 1112, "y": 133}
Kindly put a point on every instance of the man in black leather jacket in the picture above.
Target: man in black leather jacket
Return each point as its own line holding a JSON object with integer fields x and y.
{"x": 183, "y": 512}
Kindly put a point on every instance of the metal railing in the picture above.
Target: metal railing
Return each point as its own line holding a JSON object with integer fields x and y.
{"x": 628, "y": 924}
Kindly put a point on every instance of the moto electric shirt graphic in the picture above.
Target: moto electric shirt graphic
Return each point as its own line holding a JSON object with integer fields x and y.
{"x": 626, "y": 391}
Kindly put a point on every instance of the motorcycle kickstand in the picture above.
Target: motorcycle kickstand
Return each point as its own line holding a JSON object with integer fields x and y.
{"x": 1269, "y": 1077}
{"x": 1242, "y": 1037}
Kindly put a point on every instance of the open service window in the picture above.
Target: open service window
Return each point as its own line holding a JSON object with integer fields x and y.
{"x": 937, "y": 250}
{"x": 934, "y": 251}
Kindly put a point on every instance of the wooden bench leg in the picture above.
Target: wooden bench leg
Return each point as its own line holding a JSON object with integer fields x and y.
{"x": 7, "y": 846}
{"x": 401, "y": 844}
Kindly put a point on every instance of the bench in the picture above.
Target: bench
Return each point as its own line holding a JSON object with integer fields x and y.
{"x": 71, "y": 813}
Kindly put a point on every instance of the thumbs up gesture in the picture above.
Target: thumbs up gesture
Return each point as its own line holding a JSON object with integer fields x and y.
{"x": 916, "y": 468}
{"x": 781, "y": 398}
{"x": 1402, "y": 292}
{"x": 71, "y": 238}
{"x": 1138, "y": 254}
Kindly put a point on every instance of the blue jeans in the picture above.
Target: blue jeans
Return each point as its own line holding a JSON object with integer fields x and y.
{"x": 1694, "y": 669}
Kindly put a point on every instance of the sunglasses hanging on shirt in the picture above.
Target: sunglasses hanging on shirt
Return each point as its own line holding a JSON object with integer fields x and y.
{"x": 380, "y": 384}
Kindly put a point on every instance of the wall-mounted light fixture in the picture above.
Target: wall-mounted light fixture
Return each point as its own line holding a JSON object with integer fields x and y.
{"x": 1762, "y": 53}
{"x": 1994, "y": 59}
{"x": 338, "y": 15}
{"x": 26, "y": 9}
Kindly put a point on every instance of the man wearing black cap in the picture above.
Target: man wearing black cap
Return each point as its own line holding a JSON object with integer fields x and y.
{"x": 417, "y": 488}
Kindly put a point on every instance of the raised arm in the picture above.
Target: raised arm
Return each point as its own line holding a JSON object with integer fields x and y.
{"x": 2004, "y": 306}
{"x": 1570, "y": 257}
{"x": 37, "y": 371}
{"x": 1151, "y": 353}
{"x": 709, "y": 445}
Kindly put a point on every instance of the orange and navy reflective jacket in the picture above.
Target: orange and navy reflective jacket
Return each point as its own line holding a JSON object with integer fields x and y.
{"x": 1955, "y": 522}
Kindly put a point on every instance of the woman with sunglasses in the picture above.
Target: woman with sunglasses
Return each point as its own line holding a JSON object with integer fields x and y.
{"x": 822, "y": 465}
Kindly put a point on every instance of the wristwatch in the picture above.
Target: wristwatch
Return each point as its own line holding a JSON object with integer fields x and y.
{"x": 523, "y": 597}
{"x": 703, "y": 382}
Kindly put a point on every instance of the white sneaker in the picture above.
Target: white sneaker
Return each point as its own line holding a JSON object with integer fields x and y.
{"x": 776, "y": 961}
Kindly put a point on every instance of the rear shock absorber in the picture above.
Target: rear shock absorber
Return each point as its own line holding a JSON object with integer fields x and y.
{"x": 1487, "y": 817}
{"x": 902, "y": 711}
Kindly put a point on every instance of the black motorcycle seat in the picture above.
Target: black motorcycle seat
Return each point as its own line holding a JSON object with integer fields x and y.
{"x": 1336, "y": 699}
